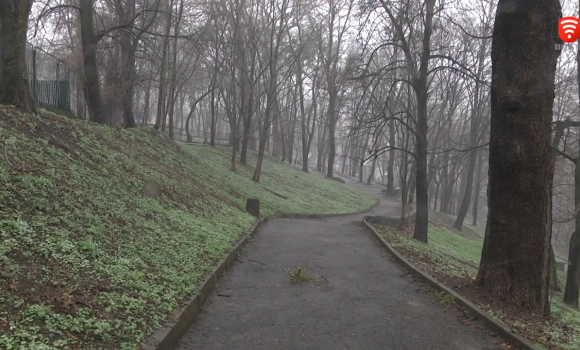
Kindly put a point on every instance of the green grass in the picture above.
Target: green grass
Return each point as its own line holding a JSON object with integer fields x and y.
{"x": 453, "y": 255}
{"x": 448, "y": 220}
{"x": 104, "y": 231}
{"x": 448, "y": 242}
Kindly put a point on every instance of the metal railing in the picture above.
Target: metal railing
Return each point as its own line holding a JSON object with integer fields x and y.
{"x": 53, "y": 83}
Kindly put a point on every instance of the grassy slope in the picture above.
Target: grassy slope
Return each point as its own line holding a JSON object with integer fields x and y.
{"x": 103, "y": 231}
{"x": 456, "y": 256}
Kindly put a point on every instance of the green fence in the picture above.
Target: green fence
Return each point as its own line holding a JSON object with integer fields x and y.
{"x": 53, "y": 83}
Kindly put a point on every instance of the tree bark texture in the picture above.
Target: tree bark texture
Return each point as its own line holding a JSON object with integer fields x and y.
{"x": 14, "y": 87}
{"x": 515, "y": 257}
{"x": 90, "y": 67}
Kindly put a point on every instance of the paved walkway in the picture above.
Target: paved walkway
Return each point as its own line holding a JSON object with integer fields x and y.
{"x": 366, "y": 302}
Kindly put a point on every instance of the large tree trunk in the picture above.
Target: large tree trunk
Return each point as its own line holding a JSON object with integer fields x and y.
{"x": 477, "y": 189}
{"x": 573, "y": 274}
{"x": 515, "y": 256}
{"x": 90, "y": 67}
{"x": 14, "y": 88}
{"x": 161, "y": 111}
{"x": 128, "y": 81}
{"x": 174, "y": 91}
{"x": 128, "y": 48}
{"x": 245, "y": 111}
{"x": 421, "y": 92}
{"x": 421, "y": 190}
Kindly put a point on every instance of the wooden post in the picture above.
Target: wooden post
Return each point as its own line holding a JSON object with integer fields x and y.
{"x": 253, "y": 207}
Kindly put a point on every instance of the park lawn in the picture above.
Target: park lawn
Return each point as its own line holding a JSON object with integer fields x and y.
{"x": 453, "y": 259}
{"x": 103, "y": 231}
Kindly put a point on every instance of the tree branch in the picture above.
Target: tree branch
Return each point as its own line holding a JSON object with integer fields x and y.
{"x": 569, "y": 157}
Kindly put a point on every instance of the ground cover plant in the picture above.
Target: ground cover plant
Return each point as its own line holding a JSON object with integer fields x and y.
{"x": 453, "y": 259}
{"x": 103, "y": 230}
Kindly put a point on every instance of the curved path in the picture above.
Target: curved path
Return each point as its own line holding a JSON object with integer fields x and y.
{"x": 365, "y": 301}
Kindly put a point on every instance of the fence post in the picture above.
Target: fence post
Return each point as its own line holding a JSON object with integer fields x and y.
{"x": 0, "y": 64}
{"x": 34, "y": 88}
{"x": 69, "y": 97}
{"x": 57, "y": 104}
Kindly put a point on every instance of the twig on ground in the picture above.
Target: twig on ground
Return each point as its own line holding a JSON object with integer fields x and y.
{"x": 257, "y": 262}
{"x": 71, "y": 336}
{"x": 6, "y": 156}
{"x": 23, "y": 198}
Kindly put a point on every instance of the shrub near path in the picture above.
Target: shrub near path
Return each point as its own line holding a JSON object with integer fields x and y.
{"x": 103, "y": 231}
{"x": 453, "y": 260}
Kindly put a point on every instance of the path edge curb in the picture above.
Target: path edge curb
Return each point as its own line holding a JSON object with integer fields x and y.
{"x": 169, "y": 334}
{"x": 498, "y": 327}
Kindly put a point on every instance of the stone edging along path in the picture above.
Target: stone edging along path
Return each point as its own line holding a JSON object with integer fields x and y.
{"x": 167, "y": 337}
{"x": 500, "y": 328}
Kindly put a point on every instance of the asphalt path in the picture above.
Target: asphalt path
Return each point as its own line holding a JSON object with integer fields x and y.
{"x": 359, "y": 298}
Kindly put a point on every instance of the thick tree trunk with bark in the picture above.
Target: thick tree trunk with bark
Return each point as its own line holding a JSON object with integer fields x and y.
{"x": 128, "y": 79}
{"x": 421, "y": 190}
{"x": 161, "y": 110}
{"x": 14, "y": 88}
{"x": 90, "y": 67}
{"x": 515, "y": 257}
{"x": 246, "y": 97}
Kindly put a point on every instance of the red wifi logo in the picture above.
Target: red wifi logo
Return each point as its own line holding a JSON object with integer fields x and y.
{"x": 569, "y": 29}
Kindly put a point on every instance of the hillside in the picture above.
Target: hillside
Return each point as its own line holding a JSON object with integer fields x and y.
{"x": 103, "y": 231}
